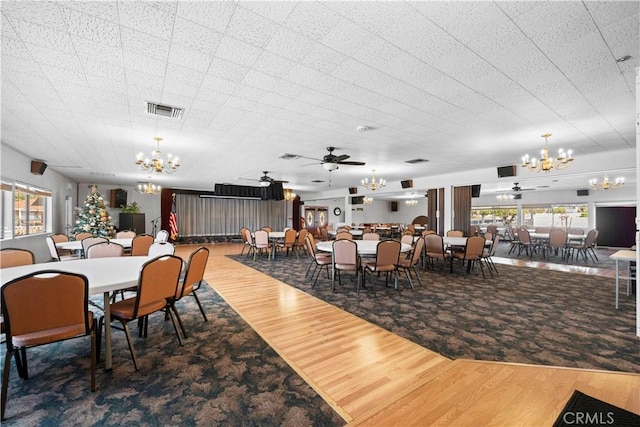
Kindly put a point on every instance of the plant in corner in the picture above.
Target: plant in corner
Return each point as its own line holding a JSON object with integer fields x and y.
{"x": 130, "y": 208}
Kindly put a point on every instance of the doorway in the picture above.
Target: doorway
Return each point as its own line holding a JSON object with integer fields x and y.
{"x": 315, "y": 217}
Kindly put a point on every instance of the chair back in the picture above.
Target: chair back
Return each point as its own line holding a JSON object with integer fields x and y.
{"x": 342, "y": 230}
{"x": 140, "y": 244}
{"x": 243, "y": 235}
{"x": 474, "y": 247}
{"x": 125, "y": 234}
{"x": 89, "y": 241}
{"x": 411, "y": 228}
{"x": 104, "y": 250}
{"x": 427, "y": 232}
{"x": 345, "y": 254}
{"x": 591, "y": 238}
{"x": 310, "y": 245}
{"x": 557, "y": 238}
{"x": 267, "y": 229}
{"x": 11, "y": 257}
{"x": 494, "y": 245}
{"x": 418, "y": 249}
{"x": 53, "y": 251}
{"x": 59, "y": 238}
{"x": 82, "y": 235}
{"x": 434, "y": 244}
{"x": 543, "y": 229}
{"x": 262, "y": 238}
{"x": 488, "y": 235}
{"x": 302, "y": 234}
{"x": 492, "y": 228}
{"x": 290, "y": 237}
{"x": 387, "y": 253}
{"x": 194, "y": 274}
{"x": 455, "y": 233}
{"x": 406, "y": 238}
{"x": 248, "y": 236}
{"x": 344, "y": 235}
{"x": 162, "y": 236}
{"x": 158, "y": 281}
{"x": 473, "y": 230}
{"x": 324, "y": 234}
{"x": 576, "y": 231}
{"x": 371, "y": 236}
{"x": 46, "y": 300}
{"x": 523, "y": 235}
{"x": 161, "y": 248}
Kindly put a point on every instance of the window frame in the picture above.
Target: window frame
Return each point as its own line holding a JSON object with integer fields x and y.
{"x": 34, "y": 224}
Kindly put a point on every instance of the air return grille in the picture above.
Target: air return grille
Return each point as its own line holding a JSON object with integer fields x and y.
{"x": 164, "y": 110}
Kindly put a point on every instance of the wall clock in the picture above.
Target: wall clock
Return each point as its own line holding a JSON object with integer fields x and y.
{"x": 337, "y": 211}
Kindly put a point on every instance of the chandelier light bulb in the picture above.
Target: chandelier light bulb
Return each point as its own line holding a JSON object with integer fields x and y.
{"x": 156, "y": 163}
{"x": 375, "y": 184}
{"x": 547, "y": 163}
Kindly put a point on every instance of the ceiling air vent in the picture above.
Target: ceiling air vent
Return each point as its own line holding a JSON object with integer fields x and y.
{"x": 164, "y": 110}
{"x": 416, "y": 161}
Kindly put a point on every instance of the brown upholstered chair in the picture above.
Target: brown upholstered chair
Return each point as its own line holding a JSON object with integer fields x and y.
{"x": 318, "y": 260}
{"x": 387, "y": 256}
{"x": 289, "y": 242}
{"x": 87, "y": 242}
{"x": 12, "y": 257}
{"x": 472, "y": 253}
{"x": 59, "y": 238}
{"x": 125, "y": 234}
{"x": 82, "y": 235}
{"x": 245, "y": 241}
{"x": 488, "y": 255}
{"x": 345, "y": 257}
{"x": 53, "y": 251}
{"x": 435, "y": 250}
{"x": 344, "y": 235}
{"x": 140, "y": 245}
{"x": 455, "y": 233}
{"x": 104, "y": 250}
{"x": 261, "y": 243}
{"x": 409, "y": 264}
{"x": 371, "y": 236}
{"x": 42, "y": 308}
{"x": 302, "y": 234}
{"x": 157, "y": 287}
{"x": 193, "y": 276}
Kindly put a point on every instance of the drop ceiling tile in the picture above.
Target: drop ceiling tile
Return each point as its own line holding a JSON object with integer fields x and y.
{"x": 98, "y": 51}
{"x": 290, "y": 45}
{"x": 55, "y": 58}
{"x": 144, "y": 64}
{"x": 237, "y": 51}
{"x": 313, "y": 20}
{"x": 323, "y": 59}
{"x": 91, "y": 28}
{"x": 137, "y": 81}
{"x": 43, "y": 36}
{"x": 248, "y": 93}
{"x": 208, "y": 106}
{"x": 227, "y": 70}
{"x": 251, "y": 28}
{"x": 273, "y": 64}
{"x": 140, "y": 43}
{"x": 258, "y": 80}
{"x": 102, "y": 69}
{"x": 196, "y": 37}
{"x": 215, "y": 15}
{"x": 110, "y": 97}
{"x": 143, "y": 17}
{"x": 191, "y": 59}
{"x": 218, "y": 85}
{"x": 277, "y": 12}
{"x": 347, "y": 37}
{"x": 517, "y": 8}
{"x": 13, "y": 46}
{"x": 622, "y": 39}
{"x": 60, "y": 75}
{"x": 168, "y": 6}
{"x": 41, "y": 13}
{"x": 376, "y": 16}
{"x": 183, "y": 76}
{"x": 107, "y": 10}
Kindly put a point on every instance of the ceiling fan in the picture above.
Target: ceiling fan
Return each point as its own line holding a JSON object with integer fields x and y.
{"x": 265, "y": 180}
{"x": 517, "y": 189}
{"x": 331, "y": 162}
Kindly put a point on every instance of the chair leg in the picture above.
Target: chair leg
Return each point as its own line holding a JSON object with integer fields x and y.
{"x": 99, "y": 338}
{"x": 132, "y": 350}
{"x": 175, "y": 326}
{"x": 175, "y": 311}
{"x": 417, "y": 275}
{"x": 25, "y": 366}
{"x": 5, "y": 381}
{"x": 200, "y": 305}
{"x": 93, "y": 355}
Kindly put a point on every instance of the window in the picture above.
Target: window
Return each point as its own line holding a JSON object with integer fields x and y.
{"x": 25, "y": 210}
{"x": 499, "y": 215}
{"x": 556, "y": 215}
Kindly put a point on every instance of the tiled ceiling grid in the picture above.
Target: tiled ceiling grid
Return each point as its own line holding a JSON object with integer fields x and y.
{"x": 459, "y": 83}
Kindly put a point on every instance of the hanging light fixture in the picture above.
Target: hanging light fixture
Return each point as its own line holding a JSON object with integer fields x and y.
{"x": 156, "y": 163}
{"x": 367, "y": 200}
{"x": 289, "y": 194}
{"x": 375, "y": 184}
{"x": 148, "y": 188}
{"x": 505, "y": 197}
{"x": 546, "y": 163}
{"x": 412, "y": 201}
{"x": 606, "y": 184}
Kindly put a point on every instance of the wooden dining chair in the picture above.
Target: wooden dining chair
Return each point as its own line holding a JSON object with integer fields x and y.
{"x": 156, "y": 291}
{"x": 193, "y": 277}
{"x": 386, "y": 261}
{"x": 42, "y": 308}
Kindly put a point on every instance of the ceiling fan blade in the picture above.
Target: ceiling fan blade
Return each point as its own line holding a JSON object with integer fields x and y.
{"x": 311, "y": 158}
{"x": 311, "y": 164}
{"x": 341, "y": 158}
{"x": 280, "y": 181}
{"x": 351, "y": 163}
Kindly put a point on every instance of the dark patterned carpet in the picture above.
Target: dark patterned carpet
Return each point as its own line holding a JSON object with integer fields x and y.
{"x": 522, "y": 315}
{"x": 225, "y": 375}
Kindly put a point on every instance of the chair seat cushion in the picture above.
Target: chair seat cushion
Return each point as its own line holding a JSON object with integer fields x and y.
{"x": 346, "y": 266}
{"x": 124, "y": 309}
{"x": 50, "y": 335}
{"x": 385, "y": 267}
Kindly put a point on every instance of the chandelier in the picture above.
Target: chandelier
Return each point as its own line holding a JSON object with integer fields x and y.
{"x": 546, "y": 163}
{"x": 375, "y": 184}
{"x": 606, "y": 184}
{"x": 411, "y": 201}
{"x": 505, "y": 197}
{"x": 148, "y": 188}
{"x": 156, "y": 163}
{"x": 289, "y": 194}
{"x": 367, "y": 200}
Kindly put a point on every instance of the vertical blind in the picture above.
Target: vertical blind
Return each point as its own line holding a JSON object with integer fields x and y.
{"x": 200, "y": 216}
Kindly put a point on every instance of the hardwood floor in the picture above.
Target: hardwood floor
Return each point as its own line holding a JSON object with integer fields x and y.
{"x": 372, "y": 377}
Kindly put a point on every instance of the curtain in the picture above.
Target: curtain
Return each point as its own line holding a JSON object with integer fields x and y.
{"x": 200, "y": 216}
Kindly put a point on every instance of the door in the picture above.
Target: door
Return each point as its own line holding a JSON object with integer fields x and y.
{"x": 315, "y": 217}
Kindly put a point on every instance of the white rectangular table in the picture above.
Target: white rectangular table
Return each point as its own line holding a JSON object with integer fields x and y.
{"x": 105, "y": 275}
{"x": 623, "y": 255}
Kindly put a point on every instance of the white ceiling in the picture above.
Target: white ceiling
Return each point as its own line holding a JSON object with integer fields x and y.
{"x": 462, "y": 84}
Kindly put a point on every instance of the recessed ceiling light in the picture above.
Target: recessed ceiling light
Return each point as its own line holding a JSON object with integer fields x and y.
{"x": 624, "y": 58}
{"x": 363, "y": 128}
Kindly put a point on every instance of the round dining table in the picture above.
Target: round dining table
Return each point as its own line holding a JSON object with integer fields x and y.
{"x": 104, "y": 275}
{"x": 76, "y": 245}
{"x": 366, "y": 248}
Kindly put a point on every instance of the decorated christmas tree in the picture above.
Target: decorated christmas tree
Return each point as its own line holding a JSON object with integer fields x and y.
{"x": 93, "y": 216}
